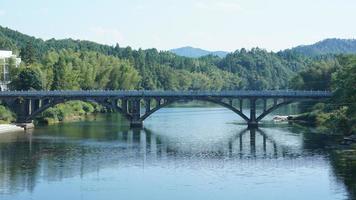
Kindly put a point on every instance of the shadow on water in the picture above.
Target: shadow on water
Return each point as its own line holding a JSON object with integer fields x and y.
{"x": 58, "y": 152}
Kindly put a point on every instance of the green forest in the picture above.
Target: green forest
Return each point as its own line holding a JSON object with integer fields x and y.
{"x": 339, "y": 76}
{"x": 75, "y": 64}
{"x": 90, "y": 65}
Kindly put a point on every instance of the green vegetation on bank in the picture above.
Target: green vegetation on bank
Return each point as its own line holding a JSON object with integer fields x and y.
{"x": 6, "y": 116}
{"x": 69, "y": 111}
{"x": 339, "y": 75}
{"x": 73, "y": 110}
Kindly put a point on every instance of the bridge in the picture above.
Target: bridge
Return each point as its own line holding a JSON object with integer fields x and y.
{"x": 136, "y": 106}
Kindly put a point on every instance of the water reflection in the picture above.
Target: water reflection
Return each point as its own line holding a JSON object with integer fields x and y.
{"x": 241, "y": 157}
{"x": 243, "y": 144}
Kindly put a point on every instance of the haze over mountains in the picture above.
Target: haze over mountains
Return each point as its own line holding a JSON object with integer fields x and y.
{"x": 197, "y": 52}
{"x": 327, "y": 46}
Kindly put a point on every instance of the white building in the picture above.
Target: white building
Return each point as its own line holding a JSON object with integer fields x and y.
{"x": 6, "y": 57}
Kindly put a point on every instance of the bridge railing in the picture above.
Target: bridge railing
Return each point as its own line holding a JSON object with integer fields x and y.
{"x": 156, "y": 93}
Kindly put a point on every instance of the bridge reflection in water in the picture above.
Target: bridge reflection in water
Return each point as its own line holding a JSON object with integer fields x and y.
{"x": 246, "y": 143}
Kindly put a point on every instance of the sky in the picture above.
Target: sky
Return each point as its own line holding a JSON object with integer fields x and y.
{"x": 165, "y": 24}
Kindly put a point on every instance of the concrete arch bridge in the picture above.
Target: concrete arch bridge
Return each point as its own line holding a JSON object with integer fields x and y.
{"x": 136, "y": 106}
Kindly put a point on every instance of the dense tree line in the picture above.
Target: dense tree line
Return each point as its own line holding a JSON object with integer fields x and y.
{"x": 260, "y": 69}
{"x": 339, "y": 76}
{"x": 243, "y": 69}
{"x": 69, "y": 70}
{"x": 317, "y": 76}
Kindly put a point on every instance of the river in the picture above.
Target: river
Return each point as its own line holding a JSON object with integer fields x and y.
{"x": 182, "y": 153}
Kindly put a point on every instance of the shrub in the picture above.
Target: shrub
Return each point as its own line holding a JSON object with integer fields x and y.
{"x": 61, "y": 112}
{"x": 6, "y": 116}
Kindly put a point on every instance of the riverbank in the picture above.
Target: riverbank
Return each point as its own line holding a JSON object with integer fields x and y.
{"x": 334, "y": 121}
{"x": 66, "y": 112}
{"x": 305, "y": 119}
{"x": 70, "y": 111}
{"x": 7, "y": 128}
{"x": 313, "y": 119}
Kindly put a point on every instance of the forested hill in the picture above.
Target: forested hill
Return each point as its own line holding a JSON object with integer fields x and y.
{"x": 53, "y": 60}
{"x": 197, "y": 52}
{"x": 328, "y": 46}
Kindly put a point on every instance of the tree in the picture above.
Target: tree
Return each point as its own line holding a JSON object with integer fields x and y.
{"x": 64, "y": 77}
{"x": 123, "y": 77}
{"x": 317, "y": 76}
{"x": 28, "y": 54}
{"x": 27, "y": 79}
{"x": 59, "y": 75}
{"x": 344, "y": 83}
{"x": 7, "y": 44}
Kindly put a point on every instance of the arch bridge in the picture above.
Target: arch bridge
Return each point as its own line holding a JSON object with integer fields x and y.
{"x": 136, "y": 106}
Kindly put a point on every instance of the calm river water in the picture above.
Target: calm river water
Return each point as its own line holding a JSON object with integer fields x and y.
{"x": 182, "y": 153}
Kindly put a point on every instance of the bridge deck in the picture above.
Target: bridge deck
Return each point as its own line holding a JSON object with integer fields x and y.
{"x": 186, "y": 94}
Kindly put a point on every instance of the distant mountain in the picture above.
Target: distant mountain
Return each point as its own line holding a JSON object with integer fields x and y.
{"x": 327, "y": 46}
{"x": 196, "y": 52}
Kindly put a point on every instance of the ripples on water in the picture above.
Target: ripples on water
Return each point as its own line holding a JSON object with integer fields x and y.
{"x": 182, "y": 153}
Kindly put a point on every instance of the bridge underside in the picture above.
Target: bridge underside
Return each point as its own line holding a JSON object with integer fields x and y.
{"x": 137, "y": 109}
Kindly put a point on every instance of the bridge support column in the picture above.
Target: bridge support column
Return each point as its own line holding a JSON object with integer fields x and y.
{"x": 136, "y": 113}
{"x": 148, "y": 105}
{"x": 124, "y": 105}
{"x": 158, "y": 101}
{"x": 35, "y": 105}
{"x": 230, "y": 102}
{"x": 45, "y": 102}
{"x": 264, "y": 105}
{"x": 240, "y": 104}
{"x": 252, "y": 123}
{"x": 23, "y": 108}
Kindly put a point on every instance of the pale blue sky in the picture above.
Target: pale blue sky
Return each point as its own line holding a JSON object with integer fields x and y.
{"x": 165, "y": 24}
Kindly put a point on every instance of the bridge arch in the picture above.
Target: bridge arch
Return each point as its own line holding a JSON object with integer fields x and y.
{"x": 273, "y": 108}
{"x": 113, "y": 105}
{"x": 214, "y": 101}
{"x": 53, "y": 102}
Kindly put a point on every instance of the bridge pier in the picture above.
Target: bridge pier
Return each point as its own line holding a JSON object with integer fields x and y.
{"x": 136, "y": 124}
{"x": 252, "y": 122}
{"x": 136, "y": 114}
{"x": 22, "y": 108}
